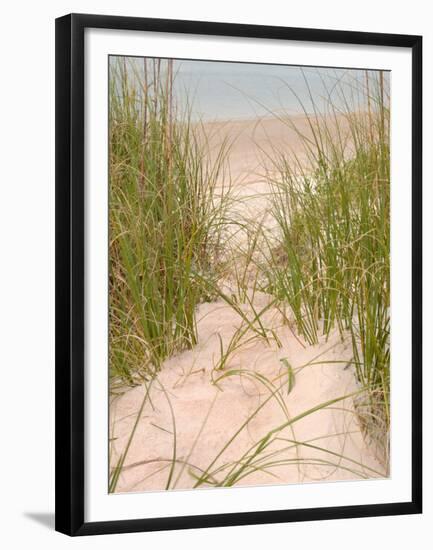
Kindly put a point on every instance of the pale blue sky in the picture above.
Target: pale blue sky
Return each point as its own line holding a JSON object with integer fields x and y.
{"x": 222, "y": 90}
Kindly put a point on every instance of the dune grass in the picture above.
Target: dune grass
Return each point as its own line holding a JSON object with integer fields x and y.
{"x": 165, "y": 221}
{"x": 332, "y": 264}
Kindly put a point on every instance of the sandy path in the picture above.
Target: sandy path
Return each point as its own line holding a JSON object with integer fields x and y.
{"x": 207, "y": 415}
{"x": 186, "y": 380}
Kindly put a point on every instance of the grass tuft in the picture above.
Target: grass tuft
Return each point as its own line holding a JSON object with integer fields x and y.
{"x": 332, "y": 262}
{"x": 165, "y": 219}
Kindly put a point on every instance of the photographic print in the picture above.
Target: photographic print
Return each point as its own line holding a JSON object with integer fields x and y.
{"x": 238, "y": 274}
{"x": 249, "y": 274}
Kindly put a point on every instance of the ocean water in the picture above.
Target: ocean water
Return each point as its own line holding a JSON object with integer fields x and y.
{"x": 217, "y": 90}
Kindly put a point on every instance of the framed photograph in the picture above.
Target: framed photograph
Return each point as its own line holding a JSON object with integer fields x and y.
{"x": 238, "y": 274}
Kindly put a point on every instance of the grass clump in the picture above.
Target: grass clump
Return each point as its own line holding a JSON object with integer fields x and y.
{"x": 165, "y": 219}
{"x": 332, "y": 262}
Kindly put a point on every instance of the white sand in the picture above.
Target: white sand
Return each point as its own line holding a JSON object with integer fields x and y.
{"x": 207, "y": 416}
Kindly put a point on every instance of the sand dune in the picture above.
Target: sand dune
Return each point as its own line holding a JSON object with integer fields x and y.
{"x": 324, "y": 445}
{"x": 213, "y": 413}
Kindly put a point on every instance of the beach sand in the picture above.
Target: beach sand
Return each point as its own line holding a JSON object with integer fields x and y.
{"x": 184, "y": 406}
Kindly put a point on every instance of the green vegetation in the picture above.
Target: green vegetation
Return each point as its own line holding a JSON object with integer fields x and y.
{"x": 332, "y": 264}
{"x": 165, "y": 222}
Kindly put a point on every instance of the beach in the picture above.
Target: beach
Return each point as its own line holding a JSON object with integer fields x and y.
{"x": 251, "y": 420}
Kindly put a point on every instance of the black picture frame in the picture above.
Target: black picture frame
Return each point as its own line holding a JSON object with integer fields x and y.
{"x": 70, "y": 282}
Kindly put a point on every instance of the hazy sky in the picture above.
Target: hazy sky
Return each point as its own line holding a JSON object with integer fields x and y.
{"x": 222, "y": 90}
